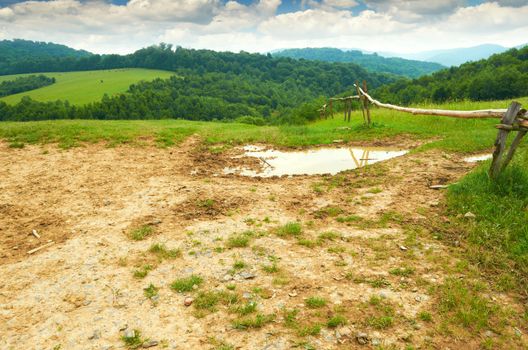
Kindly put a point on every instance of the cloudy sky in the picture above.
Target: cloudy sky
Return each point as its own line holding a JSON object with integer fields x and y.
{"x": 121, "y": 26}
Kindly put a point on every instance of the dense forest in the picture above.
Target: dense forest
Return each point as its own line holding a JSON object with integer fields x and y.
{"x": 372, "y": 62}
{"x": 16, "y": 54}
{"x": 207, "y": 96}
{"x": 501, "y": 76}
{"x": 261, "y": 89}
{"x": 209, "y": 84}
{"x": 21, "y": 84}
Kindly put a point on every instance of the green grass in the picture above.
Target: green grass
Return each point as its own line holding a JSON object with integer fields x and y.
{"x": 258, "y": 321}
{"x": 289, "y": 229}
{"x": 84, "y": 87}
{"x": 140, "y": 233}
{"x": 497, "y": 239}
{"x": 450, "y": 134}
{"x": 186, "y": 284}
{"x": 162, "y": 252}
{"x": 315, "y": 302}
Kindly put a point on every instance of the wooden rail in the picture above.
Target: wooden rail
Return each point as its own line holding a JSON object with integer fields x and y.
{"x": 515, "y": 118}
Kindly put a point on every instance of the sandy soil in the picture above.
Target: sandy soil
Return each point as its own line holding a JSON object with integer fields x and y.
{"x": 80, "y": 293}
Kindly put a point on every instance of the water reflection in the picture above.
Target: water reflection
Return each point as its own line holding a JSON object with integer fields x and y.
{"x": 313, "y": 162}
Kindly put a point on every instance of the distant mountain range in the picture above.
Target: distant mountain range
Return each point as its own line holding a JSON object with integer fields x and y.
{"x": 369, "y": 61}
{"x": 446, "y": 57}
{"x": 452, "y": 57}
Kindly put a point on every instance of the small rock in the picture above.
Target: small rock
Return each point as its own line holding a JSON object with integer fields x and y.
{"x": 246, "y": 295}
{"x": 188, "y": 301}
{"x": 292, "y": 294}
{"x": 129, "y": 333}
{"x": 489, "y": 334}
{"x": 156, "y": 222}
{"x": 345, "y": 331}
{"x": 383, "y": 295}
{"x": 403, "y": 248}
{"x": 149, "y": 344}
{"x": 155, "y": 298}
{"x": 376, "y": 341}
{"x": 227, "y": 278}
{"x": 469, "y": 215}
{"x": 362, "y": 338}
{"x": 195, "y": 286}
{"x": 418, "y": 298}
{"x": 95, "y": 335}
{"x": 517, "y": 331}
{"x": 247, "y": 275}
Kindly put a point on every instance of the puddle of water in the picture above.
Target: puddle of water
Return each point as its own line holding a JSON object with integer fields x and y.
{"x": 313, "y": 162}
{"x": 478, "y": 158}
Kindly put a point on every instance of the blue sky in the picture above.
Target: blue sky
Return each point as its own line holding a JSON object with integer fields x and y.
{"x": 263, "y": 25}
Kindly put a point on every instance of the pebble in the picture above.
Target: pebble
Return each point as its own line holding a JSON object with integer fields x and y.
{"x": 247, "y": 275}
{"x": 150, "y": 343}
{"x": 403, "y": 248}
{"x": 95, "y": 335}
{"x": 362, "y": 338}
{"x": 156, "y": 222}
{"x": 376, "y": 341}
{"x": 129, "y": 333}
{"x": 246, "y": 295}
{"x": 489, "y": 334}
{"x": 469, "y": 215}
{"x": 188, "y": 301}
{"x": 383, "y": 295}
{"x": 227, "y": 278}
{"x": 517, "y": 331}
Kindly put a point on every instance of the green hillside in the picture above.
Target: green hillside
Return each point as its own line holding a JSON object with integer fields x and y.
{"x": 372, "y": 62}
{"x": 84, "y": 87}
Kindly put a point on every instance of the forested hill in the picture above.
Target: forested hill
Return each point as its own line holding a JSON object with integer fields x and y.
{"x": 24, "y": 53}
{"x": 501, "y": 76}
{"x": 209, "y": 85}
{"x": 372, "y": 62}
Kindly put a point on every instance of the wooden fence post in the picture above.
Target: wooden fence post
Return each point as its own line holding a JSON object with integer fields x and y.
{"x": 500, "y": 143}
{"x": 366, "y": 102}
{"x": 361, "y": 103}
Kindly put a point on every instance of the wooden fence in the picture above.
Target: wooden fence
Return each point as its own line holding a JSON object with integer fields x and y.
{"x": 513, "y": 119}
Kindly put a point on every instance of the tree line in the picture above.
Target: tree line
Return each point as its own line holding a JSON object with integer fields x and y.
{"x": 372, "y": 62}
{"x": 21, "y": 84}
{"x": 501, "y": 76}
{"x": 207, "y": 85}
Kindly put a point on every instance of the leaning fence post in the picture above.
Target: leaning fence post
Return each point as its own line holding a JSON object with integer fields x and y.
{"x": 361, "y": 98}
{"x": 366, "y": 102}
{"x": 500, "y": 143}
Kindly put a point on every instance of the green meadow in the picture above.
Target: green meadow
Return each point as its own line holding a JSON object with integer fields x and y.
{"x": 450, "y": 134}
{"x": 87, "y": 86}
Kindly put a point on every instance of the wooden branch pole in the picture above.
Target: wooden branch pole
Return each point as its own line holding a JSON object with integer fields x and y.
{"x": 500, "y": 143}
{"x": 483, "y": 113}
{"x": 512, "y": 119}
{"x": 366, "y": 103}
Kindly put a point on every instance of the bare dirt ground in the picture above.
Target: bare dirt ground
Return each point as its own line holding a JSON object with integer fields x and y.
{"x": 81, "y": 292}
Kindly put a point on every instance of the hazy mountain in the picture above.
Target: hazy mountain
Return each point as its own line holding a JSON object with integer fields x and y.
{"x": 372, "y": 62}
{"x": 452, "y": 57}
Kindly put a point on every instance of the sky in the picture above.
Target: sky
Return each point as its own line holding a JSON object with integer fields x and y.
{"x": 404, "y": 26}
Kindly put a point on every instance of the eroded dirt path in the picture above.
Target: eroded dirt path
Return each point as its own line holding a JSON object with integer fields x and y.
{"x": 81, "y": 292}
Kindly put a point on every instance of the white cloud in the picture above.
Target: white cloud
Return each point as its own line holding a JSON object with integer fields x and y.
{"x": 386, "y": 25}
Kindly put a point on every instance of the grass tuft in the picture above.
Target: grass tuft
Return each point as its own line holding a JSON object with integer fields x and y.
{"x": 187, "y": 284}
{"x": 140, "y": 233}
{"x": 315, "y": 302}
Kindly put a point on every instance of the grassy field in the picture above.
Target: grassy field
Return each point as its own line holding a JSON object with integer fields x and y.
{"x": 446, "y": 133}
{"x": 84, "y": 87}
